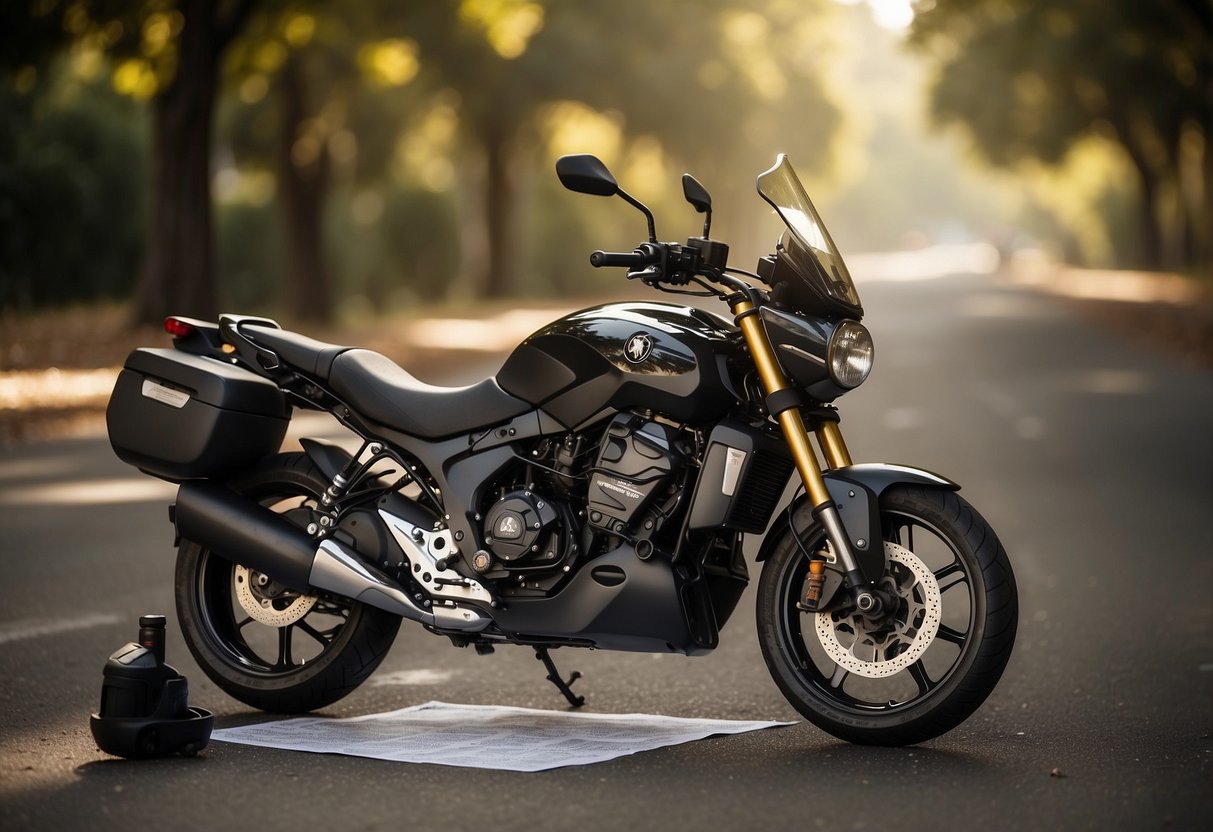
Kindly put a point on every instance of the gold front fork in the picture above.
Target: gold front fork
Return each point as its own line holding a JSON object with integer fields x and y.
{"x": 797, "y": 437}
{"x": 790, "y": 420}
{"x": 829, "y": 437}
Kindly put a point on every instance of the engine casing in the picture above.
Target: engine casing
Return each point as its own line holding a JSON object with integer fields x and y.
{"x": 636, "y": 461}
{"x": 522, "y": 525}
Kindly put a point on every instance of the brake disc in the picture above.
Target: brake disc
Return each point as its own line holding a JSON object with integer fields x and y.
{"x": 273, "y": 611}
{"x": 854, "y": 644}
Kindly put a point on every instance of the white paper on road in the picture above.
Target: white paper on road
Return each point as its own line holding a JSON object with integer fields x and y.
{"x": 485, "y": 736}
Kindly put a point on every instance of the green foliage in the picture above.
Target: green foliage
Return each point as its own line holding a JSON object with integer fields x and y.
{"x": 73, "y": 187}
{"x": 391, "y": 247}
{"x": 419, "y": 239}
{"x": 1032, "y": 78}
{"x": 564, "y": 228}
{"x": 714, "y": 84}
{"x": 250, "y": 239}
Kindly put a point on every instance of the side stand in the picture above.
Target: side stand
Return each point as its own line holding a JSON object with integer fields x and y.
{"x": 565, "y": 688}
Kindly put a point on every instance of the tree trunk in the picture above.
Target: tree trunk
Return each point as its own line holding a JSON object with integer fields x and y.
{"x": 499, "y": 199}
{"x": 1149, "y": 226}
{"x": 177, "y": 276}
{"x": 304, "y": 177}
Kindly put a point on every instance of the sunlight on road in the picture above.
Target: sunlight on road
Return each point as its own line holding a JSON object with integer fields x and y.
{"x": 35, "y": 627}
{"x": 1095, "y": 284}
{"x": 22, "y": 389}
{"x": 422, "y": 676}
{"x": 89, "y": 493}
{"x": 924, "y": 263}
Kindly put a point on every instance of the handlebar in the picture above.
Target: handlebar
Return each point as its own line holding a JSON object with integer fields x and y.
{"x": 639, "y": 257}
{"x": 658, "y": 263}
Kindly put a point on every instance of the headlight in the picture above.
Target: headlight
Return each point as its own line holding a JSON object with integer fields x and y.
{"x": 850, "y": 354}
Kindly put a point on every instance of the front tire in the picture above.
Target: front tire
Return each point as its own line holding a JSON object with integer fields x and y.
{"x": 925, "y": 669}
{"x": 272, "y": 649}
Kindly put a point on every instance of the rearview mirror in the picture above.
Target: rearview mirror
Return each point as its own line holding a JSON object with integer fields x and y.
{"x": 699, "y": 198}
{"x": 586, "y": 174}
{"x": 696, "y": 194}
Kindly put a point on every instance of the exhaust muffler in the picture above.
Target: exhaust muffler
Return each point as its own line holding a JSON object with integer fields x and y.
{"x": 251, "y": 535}
{"x": 245, "y": 532}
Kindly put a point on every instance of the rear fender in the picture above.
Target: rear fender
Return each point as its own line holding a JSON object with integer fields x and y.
{"x": 856, "y": 490}
{"x": 332, "y": 460}
{"x": 370, "y": 536}
{"x": 329, "y": 458}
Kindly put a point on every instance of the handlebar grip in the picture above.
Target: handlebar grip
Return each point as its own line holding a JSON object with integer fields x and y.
{"x": 618, "y": 258}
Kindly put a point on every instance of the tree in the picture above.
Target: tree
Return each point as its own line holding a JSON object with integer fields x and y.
{"x": 1030, "y": 78}
{"x": 703, "y": 77}
{"x": 170, "y": 53}
{"x": 72, "y": 192}
{"x": 178, "y": 271}
{"x": 313, "y": 101}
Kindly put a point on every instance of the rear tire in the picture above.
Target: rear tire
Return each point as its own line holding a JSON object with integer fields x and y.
{"x": 867, "y": 685}
{"x": 326, "y": 645}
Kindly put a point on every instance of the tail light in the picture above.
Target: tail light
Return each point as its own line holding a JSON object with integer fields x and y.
{"x": 178, "y": 327}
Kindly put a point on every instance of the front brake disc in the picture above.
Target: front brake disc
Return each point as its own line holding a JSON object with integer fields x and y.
{"x": 854, "y": 645}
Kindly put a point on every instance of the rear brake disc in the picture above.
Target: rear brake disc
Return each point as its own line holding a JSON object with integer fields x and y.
{"x": 272, "y": 610}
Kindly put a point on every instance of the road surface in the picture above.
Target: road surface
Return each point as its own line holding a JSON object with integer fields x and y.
{"x": 1092, "y": 457}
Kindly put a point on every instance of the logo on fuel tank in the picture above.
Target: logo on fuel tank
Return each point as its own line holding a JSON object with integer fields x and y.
{"x": 638, "y": 348}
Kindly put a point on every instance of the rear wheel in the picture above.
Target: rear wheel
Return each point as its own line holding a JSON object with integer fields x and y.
{"x": 924, "y": 667}
{"x": 267, "y": 646}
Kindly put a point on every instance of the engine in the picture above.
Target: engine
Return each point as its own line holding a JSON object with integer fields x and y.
{"x": 582, "y": 497}
{"x": 522, "y": 526}
{"x": 636, "y": 463}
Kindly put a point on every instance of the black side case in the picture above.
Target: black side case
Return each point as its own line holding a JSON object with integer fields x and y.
{"x": 179, "y": 416}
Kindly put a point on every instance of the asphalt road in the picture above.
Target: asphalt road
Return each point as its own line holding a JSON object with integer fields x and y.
{"x": 1090, "y": 456}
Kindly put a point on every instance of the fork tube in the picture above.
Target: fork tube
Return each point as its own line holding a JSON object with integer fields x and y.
{"x": 790, "y": 420}
{"x": 797, "y": 436}
{"x": 833, "y": 446}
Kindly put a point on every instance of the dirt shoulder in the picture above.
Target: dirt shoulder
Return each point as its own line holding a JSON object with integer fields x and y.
{"x": 57, "y": 369}
{"x": 1168, "y": 313}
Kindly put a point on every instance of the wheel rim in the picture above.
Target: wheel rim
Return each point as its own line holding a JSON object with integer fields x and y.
{"x": 269, "y": 640}
{"x": 858, "y": 669}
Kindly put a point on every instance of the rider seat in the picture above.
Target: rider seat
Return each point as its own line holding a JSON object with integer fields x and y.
{"x": 381, "y": 390}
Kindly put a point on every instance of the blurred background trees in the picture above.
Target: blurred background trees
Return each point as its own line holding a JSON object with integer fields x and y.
{"x": 1039, "y": 80}
{"x": 310, "y": 159}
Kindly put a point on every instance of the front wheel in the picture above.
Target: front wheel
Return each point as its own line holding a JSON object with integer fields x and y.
{"x": 271, "y": 648}
{"x": 922, "y": 668}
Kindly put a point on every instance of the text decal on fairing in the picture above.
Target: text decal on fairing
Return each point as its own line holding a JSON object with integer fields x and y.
{"x": 630, "y": 493}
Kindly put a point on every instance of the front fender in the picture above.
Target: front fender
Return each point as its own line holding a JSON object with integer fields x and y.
{"x": 880, "y": 475}
{"x": 856, "y": 490}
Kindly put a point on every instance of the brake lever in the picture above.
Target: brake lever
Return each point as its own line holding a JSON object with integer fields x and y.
{"x": 650, "y": 276}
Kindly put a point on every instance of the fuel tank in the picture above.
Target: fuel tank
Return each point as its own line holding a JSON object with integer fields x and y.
{"x": 671, "y": 358}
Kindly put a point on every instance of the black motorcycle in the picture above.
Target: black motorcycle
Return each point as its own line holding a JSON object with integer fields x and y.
{"x": 594, "y": 493}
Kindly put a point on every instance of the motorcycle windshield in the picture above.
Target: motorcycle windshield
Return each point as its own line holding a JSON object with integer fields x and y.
{"x": 807, "y": 243}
